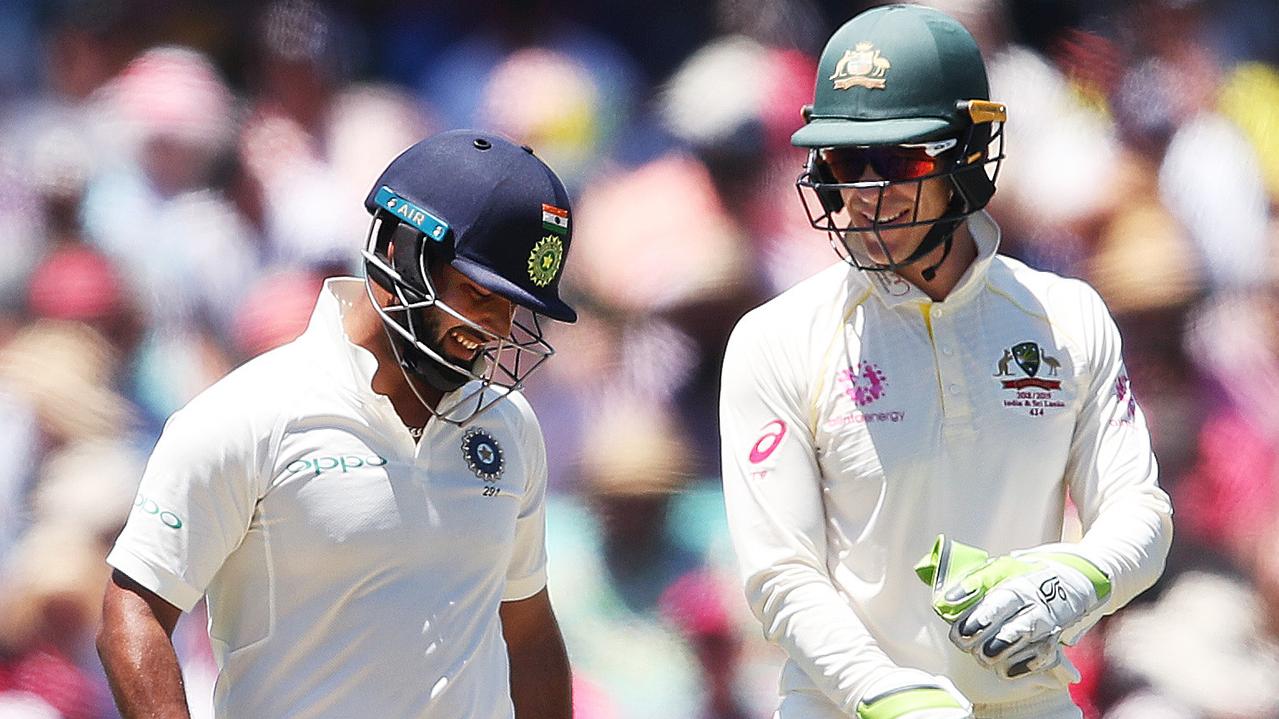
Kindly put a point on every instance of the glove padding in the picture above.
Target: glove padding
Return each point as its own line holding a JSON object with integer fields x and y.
{"x": 1009, "y": 612}
{"x": 913, "y": 694}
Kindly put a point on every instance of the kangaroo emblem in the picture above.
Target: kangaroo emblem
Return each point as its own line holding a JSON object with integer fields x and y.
{"x": 862, "y": 66}
{"x": 1003, "y": 364}
{"x": 1053, "y": 365}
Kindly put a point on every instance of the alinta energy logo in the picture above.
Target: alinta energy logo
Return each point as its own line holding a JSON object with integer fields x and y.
{"x": 863, "y": 384}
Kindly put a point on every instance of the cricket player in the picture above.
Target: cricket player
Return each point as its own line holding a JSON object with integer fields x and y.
{"x": 363, "y": 507}
{"x": 923, "y": 412}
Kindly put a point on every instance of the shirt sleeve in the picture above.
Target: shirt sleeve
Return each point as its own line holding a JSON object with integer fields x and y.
{"x": 526, "y": 572}
{"x": 773, "y": 496}
{"x": 195, "y": 500}
{"x": 1113, "y": 476}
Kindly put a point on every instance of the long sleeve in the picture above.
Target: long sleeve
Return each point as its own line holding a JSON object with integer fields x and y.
{"x": 1112, "y": 473}
{"x": 773, "y": 492}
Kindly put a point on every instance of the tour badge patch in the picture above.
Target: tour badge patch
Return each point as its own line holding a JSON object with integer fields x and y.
{"x": 483, "y": 454}
{"x": 863, "y": 66}
{"x": 1028, "y": 370}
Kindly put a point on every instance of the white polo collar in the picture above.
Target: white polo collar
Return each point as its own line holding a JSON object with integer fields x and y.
{"x": 893, "y": 291}
{"x": 353, "y": 366}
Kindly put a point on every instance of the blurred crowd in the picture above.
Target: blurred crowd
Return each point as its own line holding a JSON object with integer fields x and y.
{"x": 177, "y": 178}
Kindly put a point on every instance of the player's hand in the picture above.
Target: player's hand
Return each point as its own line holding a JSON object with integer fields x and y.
{"x": 913, "y": 694}
{"x": 1009, "y": 612}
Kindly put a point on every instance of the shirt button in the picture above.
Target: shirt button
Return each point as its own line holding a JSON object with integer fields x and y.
{"x": 954, "y": 389}
{"x": 947, "y": 351}
{"x": 937, "y": 312}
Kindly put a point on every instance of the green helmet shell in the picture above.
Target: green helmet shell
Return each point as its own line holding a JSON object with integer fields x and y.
{"x": 894, "y": 74}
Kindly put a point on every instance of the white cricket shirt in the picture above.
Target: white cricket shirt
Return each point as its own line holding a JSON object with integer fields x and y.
{"x": 860, "y": 419}
{"x": 350, "y": 571}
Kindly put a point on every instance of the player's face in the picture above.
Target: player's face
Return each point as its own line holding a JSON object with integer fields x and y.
{"x": 454, "y": 339}
{"x": 908, "y": 200}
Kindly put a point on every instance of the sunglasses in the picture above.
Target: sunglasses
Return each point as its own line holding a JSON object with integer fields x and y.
{"x": 890, "y": 162}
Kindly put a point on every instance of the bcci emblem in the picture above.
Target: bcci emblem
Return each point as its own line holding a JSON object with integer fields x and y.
{"x": 863, "y": 66}
{"x": 1029, "y": 358}
{"x": 545, "y": 259}
{"x": 483, "y": 454}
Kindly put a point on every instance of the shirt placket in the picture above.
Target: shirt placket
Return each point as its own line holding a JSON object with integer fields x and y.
{"x": 952, "y": 383}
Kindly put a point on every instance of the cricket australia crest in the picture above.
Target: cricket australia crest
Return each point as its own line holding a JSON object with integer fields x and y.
{"x": 1029, "y": 369}
{"x": 863, "y": 66}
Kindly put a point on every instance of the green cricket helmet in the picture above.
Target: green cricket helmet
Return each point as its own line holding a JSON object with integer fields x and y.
{"x": 901, "y": 90}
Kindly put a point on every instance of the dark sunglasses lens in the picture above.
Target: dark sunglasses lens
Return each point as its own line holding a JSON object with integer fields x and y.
{"x": 903, "y": 163}
{"x": 848, "y": 164}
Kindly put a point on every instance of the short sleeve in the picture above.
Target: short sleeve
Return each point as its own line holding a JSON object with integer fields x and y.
{"x": 196, "y": 499}
{"x": 526, "y": 572}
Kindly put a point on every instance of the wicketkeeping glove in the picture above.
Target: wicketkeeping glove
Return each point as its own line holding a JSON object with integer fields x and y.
{"x": 913, "y": 694}
{"x": 1009, "y": 612}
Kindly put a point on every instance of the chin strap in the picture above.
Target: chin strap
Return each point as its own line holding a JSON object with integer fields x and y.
{"x": 428, "y": 370}
{"x": 941, "y": 233}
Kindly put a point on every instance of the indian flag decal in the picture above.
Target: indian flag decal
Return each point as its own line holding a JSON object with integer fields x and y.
{"x": 554, "y": 219}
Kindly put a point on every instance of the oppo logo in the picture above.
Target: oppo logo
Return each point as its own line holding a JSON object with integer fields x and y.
{"x": 343, "y": 464}
{"x": 148, "y": 506}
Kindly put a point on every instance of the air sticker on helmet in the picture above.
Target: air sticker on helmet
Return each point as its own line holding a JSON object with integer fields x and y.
{"x": 863, "y": 66}
{"x": 554, "y": 219}
{"x": 429, "y": 224}
{"x": 545, "y": 259}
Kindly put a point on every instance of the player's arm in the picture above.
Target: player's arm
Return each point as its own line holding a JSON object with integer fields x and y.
{"x": 540, "y": 678}
{"x": 1000, "y": 610}
{"x": 773, "y": 496}
{"x": 193, "y": 507}
{"x": 1112, "y": 474}
{"x": 136, "y": 648}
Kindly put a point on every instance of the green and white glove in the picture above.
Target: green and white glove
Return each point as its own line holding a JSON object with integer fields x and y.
{"x": 1009, "y": 612}
{"x": 913, "y": 694}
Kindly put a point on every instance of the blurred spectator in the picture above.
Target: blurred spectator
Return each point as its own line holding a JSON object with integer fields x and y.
{"x": 1231, "y": 496}
{"x": 53, "y": 586}
{"x": 733, "y": 103}
{"x": 178, "y": 241}
{"x": 275, "y": 311}
{"x": 1218, "y": 662}
{"x": 615, "y": 548}
{"x": 167, "y": 212}
{"x": 548, "y": 101}
{"x": 309, "y": 146}
{"x": 64, "y": 371}
{"x": 88, "y": 485}
{"x": 696, "y": 604}
{"x": 76, "y": 284}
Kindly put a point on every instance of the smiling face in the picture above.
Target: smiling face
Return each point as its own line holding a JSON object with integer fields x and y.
{"x": 456, "y": 340}
{"x": 913, "y": 195}
{"x": 898, "y": 205}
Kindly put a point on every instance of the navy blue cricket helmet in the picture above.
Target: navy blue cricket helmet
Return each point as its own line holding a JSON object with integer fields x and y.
{"x": 496, "y": 213}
